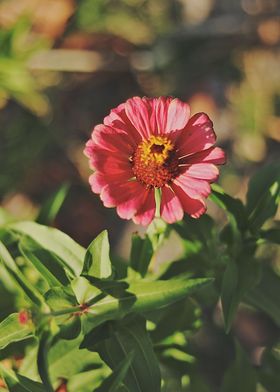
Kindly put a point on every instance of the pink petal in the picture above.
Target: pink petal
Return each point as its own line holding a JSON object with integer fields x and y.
{"x": 109, "y": 162}
{"x": 204, "y": 171}
{"x": 160, "y": 111}
{"x": 99, "y": 180}
{"x": 172, "y": 114}
{"x": 193, "y": 187}
{"x": 88, "y": 148}
{"x": 116, "y": 114}
{"x": 112, "y": 139}
{"x": 117, "y": 119}
{"x": 197, "y": 136}
{"x": 213, "y": 155}
{"x": 138, "y": 111}
{"x": 113, "y": 195}
{"x": 178, "y": 115}
{"x": 146, "y": 212}
{"x": 192, "y": 206}
{"x": 170, "y": 209}
{"x": 130, "y": 207}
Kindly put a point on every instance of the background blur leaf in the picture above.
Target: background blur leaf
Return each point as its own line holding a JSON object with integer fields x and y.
{"x": 11, "y": 330}
{"x": 229, "y": 295}
{"x": 97, "y": 259}
{"x": 52, "y": 205}
{"x": 232, "y": 206}
{"x": 272, "y": 235}
{"x": 265, "y": 295}
{"x": 240, "y": 376}
{"x": 239, "y": 278}
{"x": 263, "y": 195}
{"x": 269, "y": 372}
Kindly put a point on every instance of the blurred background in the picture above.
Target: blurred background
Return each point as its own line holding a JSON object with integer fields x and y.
{"x": 64, "y": 64}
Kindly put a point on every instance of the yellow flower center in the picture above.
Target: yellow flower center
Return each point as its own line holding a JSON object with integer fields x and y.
{"x": 154, "y": 162}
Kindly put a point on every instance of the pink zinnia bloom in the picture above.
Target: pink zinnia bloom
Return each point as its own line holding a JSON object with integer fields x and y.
{"x": 148, "y": 143}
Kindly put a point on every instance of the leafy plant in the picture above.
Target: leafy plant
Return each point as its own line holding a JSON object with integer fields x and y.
{"x": 78, "y": 324}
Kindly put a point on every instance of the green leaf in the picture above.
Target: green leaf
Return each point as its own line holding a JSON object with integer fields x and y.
{"x": 272, "y": 235}
{"x": 113, "y": 382}
{"x": 52, "y": 205}
{"x": 83, "y": 290}
{"x": 87, "y": 381}
{"x": 234, "y": 207}
{"x": 130, "y": 336}
{"x": 141, "y": 254}
{"x": 97, "y": 259}
{"x": 18, "y": 383}
{"x": 269, "y": 372}
{"x": 265, "y": 295}
{"x": 229, "y": 294}
{"x": 67, "y": 360}
{"x": 240, "y": 376}
{"x": 263, "y": 195}
{"x": 30, "y": 291}
{"x": 63, "y": 300}
{"x": 239, "y": 278}
{"x": 12, "y": 330}
{"x": 47, "y": 263}
{"x": 42, "y": 359}
{"x": 142, "y": 297}
{"x": 59, "y": 298}
{"x": 60, "y": 244}
{"x": 180, "y": 316}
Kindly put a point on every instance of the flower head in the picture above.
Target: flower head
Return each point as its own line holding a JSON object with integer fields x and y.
{"x": 148, "y": 143}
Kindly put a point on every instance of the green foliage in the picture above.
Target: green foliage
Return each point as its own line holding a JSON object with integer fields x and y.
{"x": 52, "y": 205}
{"x": 16, "y": 80}
{"x": 78, "y": 322}
{"x": 12, "y": 330}
{"x": 240, "y": 376}
{"x": 97, "y": 260}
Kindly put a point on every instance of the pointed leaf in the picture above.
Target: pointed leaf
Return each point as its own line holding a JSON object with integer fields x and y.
{"x": 238, "y": 279}
{"x": 52, "y": 205}
{"x": 30, "y": 291}
{"x": 71, "y": 253}
{"x": 142, "y": 297}
{"x": 263, "y": 195}
{"x": 114, "y": 381}
{"x": 130, "y": 336}
{"x": 232, "y": 206}
{"x": 83, "y": 290}
{"x": 97, "y": 259}
{"x": 141, "y": 254}
{"x": 47, "y": 263}
{"x": 42, "y": 360}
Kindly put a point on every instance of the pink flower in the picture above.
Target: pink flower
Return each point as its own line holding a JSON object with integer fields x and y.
{"x": 148, "y": 143}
